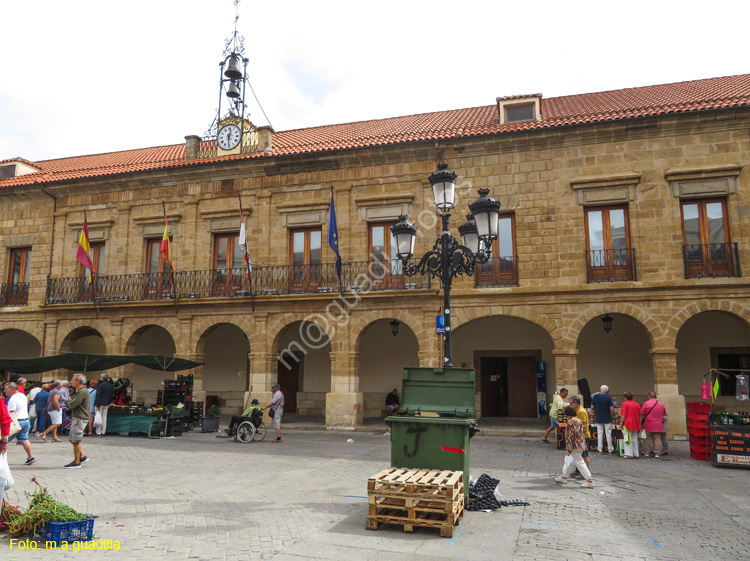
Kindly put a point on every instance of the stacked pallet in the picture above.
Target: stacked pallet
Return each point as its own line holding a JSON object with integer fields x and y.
{"x": 430, "y": 498}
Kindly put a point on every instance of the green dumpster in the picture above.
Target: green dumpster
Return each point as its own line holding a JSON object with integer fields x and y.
{"x": 433, "y": 426}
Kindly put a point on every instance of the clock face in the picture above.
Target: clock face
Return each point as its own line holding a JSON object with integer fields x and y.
{"x": 229, "y": 137}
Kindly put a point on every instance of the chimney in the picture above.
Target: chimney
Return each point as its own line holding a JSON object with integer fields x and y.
{"x": 264, "y": 139}
{"x": 192, "y": 146}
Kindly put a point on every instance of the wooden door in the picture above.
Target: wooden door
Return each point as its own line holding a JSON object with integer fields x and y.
{"x": 494, "y": 387}
{"x": 288, "y": 379}
{"x": 522, "y": 386}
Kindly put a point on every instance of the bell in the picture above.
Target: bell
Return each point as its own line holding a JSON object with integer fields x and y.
{"x": 233, "y": 91}
{"x": 233, "y": 71}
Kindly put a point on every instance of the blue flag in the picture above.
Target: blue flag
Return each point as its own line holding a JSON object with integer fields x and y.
{"x": 333, "y": 235}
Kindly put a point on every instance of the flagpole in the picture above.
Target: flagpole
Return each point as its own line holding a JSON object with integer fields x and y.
{"x": 171, "y": 268}
{"x": 339, "y": 265}
{"x": 246, "y": 255}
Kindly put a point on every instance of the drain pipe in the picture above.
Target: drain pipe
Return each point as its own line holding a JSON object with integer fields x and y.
{"x": 49, "y": 266}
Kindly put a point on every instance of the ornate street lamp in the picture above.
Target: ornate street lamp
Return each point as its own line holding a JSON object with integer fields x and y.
{"x": 448, "y": 258}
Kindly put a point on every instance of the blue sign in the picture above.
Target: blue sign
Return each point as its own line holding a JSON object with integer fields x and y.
{"x": 439, "y": 325}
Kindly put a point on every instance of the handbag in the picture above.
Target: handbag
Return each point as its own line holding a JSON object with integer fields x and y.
{"x": 271, "y": 412}
{"x": 15, "y": 426}
{"x": 5, "y": 472}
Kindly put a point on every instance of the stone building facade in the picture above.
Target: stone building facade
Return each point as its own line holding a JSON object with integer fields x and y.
{"x": 629, "y": 204}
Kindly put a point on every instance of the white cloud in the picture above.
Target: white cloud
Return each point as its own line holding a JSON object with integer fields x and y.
{"x": 90, "y": 76}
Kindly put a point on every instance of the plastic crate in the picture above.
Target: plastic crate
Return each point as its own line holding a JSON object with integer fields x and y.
{"x": 698, "y": 407}
{"x": 700, "y": 417}
{"x": 696, "y": 428}
{"x": 77, "y": 531}
{"x": 699, "y": 455}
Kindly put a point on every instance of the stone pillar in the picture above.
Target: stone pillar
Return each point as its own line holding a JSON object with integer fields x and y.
{"x": 429, "y": 353}
{"x": 566, "y": 370}
{"x": 667, "y": 390}
{"x": 344, "y": 403}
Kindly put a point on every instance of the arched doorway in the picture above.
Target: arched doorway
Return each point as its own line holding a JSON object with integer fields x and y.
{"x": 620, "y": 359}
{"x": 225, "y": 373}
{"x": 84, "y": 339}
{"x": 712, "y": 340}
{"x": 382, "y": 358}
{"x": 148, "y": 340}
{"x": 304, "y": 367}
{"x": 506, "y": 353}
{"x": 15, "y": 343}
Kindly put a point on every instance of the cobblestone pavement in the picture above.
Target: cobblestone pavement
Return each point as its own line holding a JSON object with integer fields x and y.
{"x": 199, "y": 497}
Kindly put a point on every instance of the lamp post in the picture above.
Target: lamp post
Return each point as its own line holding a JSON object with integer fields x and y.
{"x": 448, "y": 258}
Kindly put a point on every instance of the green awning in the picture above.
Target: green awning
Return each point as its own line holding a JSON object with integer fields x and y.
{"x": 84, "y": 362}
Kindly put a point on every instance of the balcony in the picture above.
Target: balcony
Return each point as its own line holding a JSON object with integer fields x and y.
{"x": 14, "y": 294}
{"x": 266, "y": 281}
{"x": 498, "y": 271}
{"x": 610, "y": 265}
{"x": 711, "y": 260}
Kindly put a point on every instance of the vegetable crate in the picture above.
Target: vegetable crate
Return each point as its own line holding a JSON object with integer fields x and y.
{"x": 76, "y": 531}
{"x": 429, "y": 498}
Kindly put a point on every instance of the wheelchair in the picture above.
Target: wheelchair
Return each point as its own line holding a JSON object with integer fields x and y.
{"x": 251, "y": 430}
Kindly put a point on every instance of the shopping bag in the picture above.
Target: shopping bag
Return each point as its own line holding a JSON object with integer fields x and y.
{"x": 15, "y": 426}
{"x": 98, "y": 419}
{"x": 5, "y": 471}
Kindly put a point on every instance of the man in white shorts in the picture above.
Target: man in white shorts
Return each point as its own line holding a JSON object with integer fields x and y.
{"x": 277, "y": 406}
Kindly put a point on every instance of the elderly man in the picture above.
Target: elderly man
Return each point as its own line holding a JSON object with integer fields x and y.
{"x": 21, "y": 382}
{"x": 603, "y": 407}
{"x": 277, "y": 406}
{"x": 18, "y": 405}
{"x": 54, "y": 409}
{"x": 80, "y": 412}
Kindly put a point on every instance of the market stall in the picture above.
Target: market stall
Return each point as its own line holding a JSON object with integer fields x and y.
{"x": 721, "y": 436}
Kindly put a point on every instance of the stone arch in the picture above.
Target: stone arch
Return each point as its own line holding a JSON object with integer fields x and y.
{"x": 694, "y": 308}
{"x": 361, "y": 322}
{"x": 77, "y": 329}
{"x": 138, "y": 326}
{"x": 19, "y": 343}
{"x": 33, "y": 328}
{"x": 573, "y": 327}
{"x": 277, "y": 328}
{"x": 467, "y": 314}
{"x": 203, "y": 326}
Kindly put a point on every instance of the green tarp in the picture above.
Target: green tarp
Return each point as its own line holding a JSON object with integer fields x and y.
{"x": 83, "y": 362}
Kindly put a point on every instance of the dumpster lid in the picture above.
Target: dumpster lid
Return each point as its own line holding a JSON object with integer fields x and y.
{"x": 445, "y": 391}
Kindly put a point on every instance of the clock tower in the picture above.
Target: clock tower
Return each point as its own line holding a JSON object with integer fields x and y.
{"x": 230, "y": 129}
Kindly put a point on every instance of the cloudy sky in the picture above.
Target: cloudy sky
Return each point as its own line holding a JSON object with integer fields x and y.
{"x": 82, "y": 77}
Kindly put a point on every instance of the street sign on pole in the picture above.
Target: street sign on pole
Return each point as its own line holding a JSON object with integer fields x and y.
{"x": 440, "y": 325}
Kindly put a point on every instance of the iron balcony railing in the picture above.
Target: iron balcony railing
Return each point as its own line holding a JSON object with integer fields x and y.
{"x": 266, "y": 280}
{"x": 14, "y": 294}
{"x": 498, "y": 271}
{"x": 609, "y": 265}
{"x": 711, "y": 260}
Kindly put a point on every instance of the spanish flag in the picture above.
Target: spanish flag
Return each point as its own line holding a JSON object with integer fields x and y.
{"x": 83, "y": 255}
{"x": 166, "y": 249}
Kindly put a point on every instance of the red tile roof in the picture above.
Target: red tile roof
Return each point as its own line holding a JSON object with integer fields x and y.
{"x": 682, "y": 97}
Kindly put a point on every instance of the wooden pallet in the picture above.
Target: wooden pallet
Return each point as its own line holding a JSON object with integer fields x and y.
{"x": 447, "y": 530}
{"x": 432, "y": 484}
{"x": 435, "y": 510}
{"x": 416, "y": 497}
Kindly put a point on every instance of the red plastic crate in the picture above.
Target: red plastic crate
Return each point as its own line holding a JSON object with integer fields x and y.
{"x": 697, "y": 429}
{"x": 698, "y": 455}
{"x": 700, "y": 417}
{"x": 698, "y": 407}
